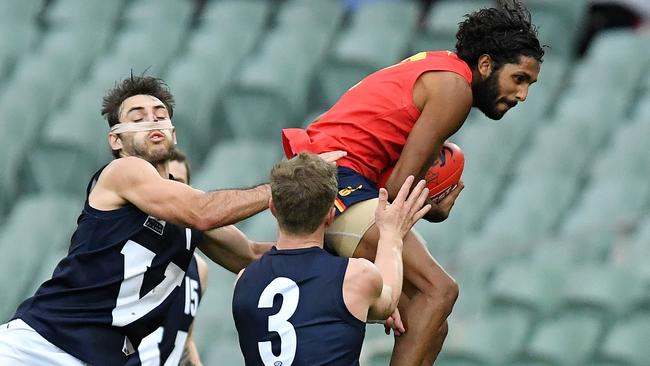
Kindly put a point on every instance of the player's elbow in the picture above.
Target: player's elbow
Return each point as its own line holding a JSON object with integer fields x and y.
{"x": 200, "y": 222}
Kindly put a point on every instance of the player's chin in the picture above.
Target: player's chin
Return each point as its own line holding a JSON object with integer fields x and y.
{"x": 494, "y": 113}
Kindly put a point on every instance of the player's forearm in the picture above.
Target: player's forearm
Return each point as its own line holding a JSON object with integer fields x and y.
{"x": 389, "y": 262}
{"x": 190, "y": 355}
{"x": 221, "y": 208}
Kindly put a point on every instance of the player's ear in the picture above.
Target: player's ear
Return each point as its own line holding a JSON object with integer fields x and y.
{"x": 114, "y": 141}
{"x": 272, "y": 208}
{"x": 329, "y": 218}
{"x": 484, "y": 65}
{"x": 174, "y": 136}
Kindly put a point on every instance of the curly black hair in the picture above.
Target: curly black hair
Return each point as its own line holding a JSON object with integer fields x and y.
{"x": 504, "y": 32}
{"x": 135, "y": 85}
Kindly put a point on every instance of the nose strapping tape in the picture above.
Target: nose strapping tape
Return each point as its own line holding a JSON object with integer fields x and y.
{"x": 142, "y": 126}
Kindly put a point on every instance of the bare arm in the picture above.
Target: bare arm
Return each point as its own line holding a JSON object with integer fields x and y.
{"x": 394, "y": 222}
{"x": 445, "y": 99}
{"x": 231, "y": 249}
{"x": 136, "y": 181}
{"x": 371, "y": 291}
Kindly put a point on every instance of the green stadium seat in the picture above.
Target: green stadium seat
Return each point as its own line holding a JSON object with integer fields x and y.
{"x": 555, "y": 33}
{"x": 260, "y": 227}
{"x": 625, "y": 199}
{"x": 142, "y": 49}
{"x": 16, "y": 40}
{"x": 553, "y": 152}
{"x": 197, "y": 114}
{"x": 172, "y": 13}
{"x": 262, "y": 82}
{"x": 571, "y": 12}
{"x": 379, "y": 36}
{"x": 627, "y": 343}
{"x": 324, "y": 15}
{"x": 11, "y": 161}
{"x": 63, "y": 44}
{"x": 627, "y": 156}
{"x": 527, "y": 212}
{"x": 24, "y": 246}
{"x": 391, "y": 14}
{"x": 211, "y": 327}
{"x": 46, "y": 269}
{"x": 564, "y": 341}
{"x": 73, "y": 145}
{"x": 358, "y": 53}
{"x": 492, "y": 339}
{"x": 254, "y": 158}
{"x": 252, "y": 13}
{"x": 82, "y": 13}
{"x": 18, "y": 12}
{"x": 602, "y": 292}
{"x": 532, "y": 289}
{"x": 442, "y": 24}
{"x": 442, "y": 240}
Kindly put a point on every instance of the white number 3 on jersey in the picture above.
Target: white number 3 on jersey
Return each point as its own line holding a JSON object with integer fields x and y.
{"x": 279, "y": 322}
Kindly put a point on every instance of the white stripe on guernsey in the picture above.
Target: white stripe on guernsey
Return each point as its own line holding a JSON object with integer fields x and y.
{"x": 188, "y": 238}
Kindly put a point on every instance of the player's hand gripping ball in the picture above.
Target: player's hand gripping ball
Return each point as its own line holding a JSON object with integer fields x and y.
{"x": 443, "y": 175}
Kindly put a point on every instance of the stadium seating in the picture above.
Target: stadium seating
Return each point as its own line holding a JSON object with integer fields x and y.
{"x": 378, "y": 37}
{"x": 441, "y": 24}
{"x": 533, "y": 289}
{"x": 567, "y": 340}
{"x": 627, "y": 343}
{"x": 254, "y": 158}
{"x": 37, "y": 226}
{"x": 493, "y": 339}
{"x": 548, "y": 241}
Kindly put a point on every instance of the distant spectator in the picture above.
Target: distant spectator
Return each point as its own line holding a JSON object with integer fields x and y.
{"x": 607, "y": 14}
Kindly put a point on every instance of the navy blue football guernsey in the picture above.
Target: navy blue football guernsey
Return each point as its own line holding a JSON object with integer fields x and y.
{"x": 288, "y": 308}
{"x": 165, "y": 345}
{"x": 122, "y": 274}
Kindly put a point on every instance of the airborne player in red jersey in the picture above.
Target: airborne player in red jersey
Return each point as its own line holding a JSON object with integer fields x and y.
{"x": 400, "y": 117}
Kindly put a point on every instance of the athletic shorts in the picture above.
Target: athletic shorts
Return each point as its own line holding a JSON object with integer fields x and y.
{"x": 356, "y": 202}
{"x": 22, "y": 345}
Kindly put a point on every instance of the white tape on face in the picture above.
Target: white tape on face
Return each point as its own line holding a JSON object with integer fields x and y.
{"x": 142, "y": 126}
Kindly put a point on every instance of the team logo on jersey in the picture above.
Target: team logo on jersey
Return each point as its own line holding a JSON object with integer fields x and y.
{"x": 155, "y": 225}
{"x": 348, "y": 190}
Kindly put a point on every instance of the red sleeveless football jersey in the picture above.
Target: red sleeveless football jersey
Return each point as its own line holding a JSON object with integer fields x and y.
{"x": 373, "y": 119}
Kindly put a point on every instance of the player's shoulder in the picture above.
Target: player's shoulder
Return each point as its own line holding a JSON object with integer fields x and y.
{"x": 123, "y": 170}
{"x": 365, "y": 273}
{"x": 126, "y": 164}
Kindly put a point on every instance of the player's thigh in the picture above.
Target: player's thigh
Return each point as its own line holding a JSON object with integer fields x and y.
{"x": 422, "y": 273}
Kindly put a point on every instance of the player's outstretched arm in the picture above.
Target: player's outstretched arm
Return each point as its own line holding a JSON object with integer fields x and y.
{"x": 231, "y": 249}
{"x": 371, "y": 291}
{"x": 394, "y": 221}
{"x": 134, "y": 180}
{"x": 445, "y": 99}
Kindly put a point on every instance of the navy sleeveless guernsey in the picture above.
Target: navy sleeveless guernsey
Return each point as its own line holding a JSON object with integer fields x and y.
{"x": 288, "y": 308}
{"x": 122, "y": 274}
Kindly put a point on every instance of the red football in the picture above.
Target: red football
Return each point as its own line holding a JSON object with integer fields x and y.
{"x": 443, "y": 175}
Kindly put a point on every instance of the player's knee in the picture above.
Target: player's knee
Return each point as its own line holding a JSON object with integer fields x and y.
{"x": 443, "y": 292}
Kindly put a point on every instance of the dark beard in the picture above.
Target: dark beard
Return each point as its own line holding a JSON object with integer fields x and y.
{"x": 156, "y": 157}
{"x": 486, "y": 93}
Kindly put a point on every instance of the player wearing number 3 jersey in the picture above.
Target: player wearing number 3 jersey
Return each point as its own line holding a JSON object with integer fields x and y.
{"x": 134, "y": 241}
{"x": 299, "y": 305}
